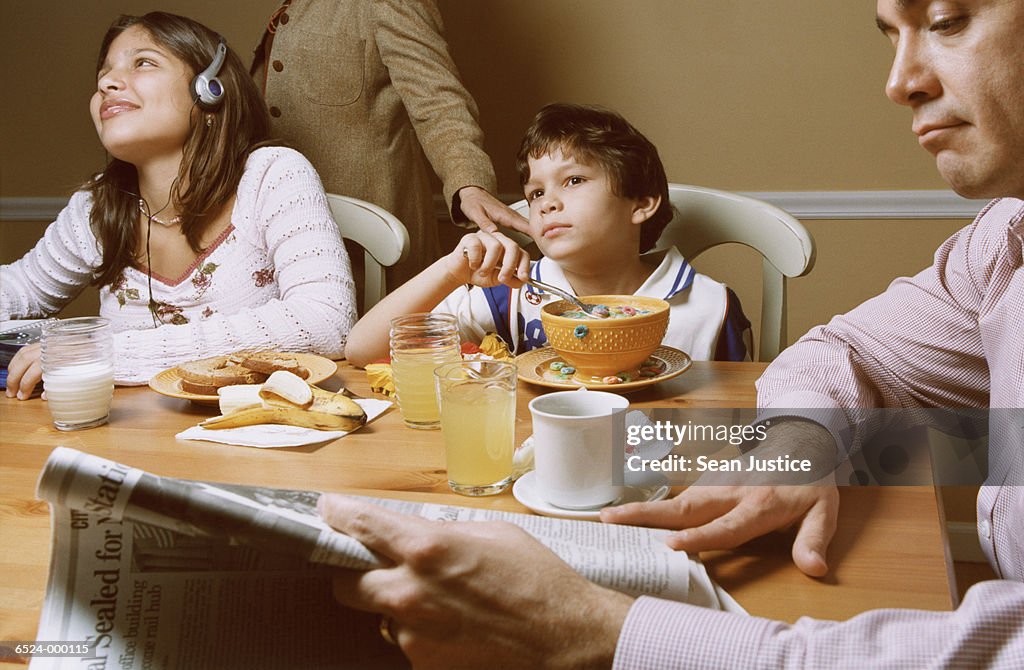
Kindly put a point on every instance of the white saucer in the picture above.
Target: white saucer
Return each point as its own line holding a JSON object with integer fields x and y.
{"x": 525, "y": 492}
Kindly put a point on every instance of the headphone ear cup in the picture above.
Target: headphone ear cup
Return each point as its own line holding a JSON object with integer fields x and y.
{"x": 208, "y": 93}
{"x": 207, "y": 89}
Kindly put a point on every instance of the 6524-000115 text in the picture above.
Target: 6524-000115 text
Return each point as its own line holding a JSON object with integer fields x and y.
{"x": 751, "y": 463}
{"x": 11, "y": 650}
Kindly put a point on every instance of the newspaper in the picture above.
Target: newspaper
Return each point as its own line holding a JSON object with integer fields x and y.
{"x": 157, "y": 572}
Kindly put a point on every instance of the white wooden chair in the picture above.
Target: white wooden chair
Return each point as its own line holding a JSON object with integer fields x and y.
{"x": 705, "y": 218}
{"x": 384, "y": 240}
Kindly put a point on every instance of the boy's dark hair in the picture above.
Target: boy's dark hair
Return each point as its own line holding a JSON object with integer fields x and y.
{"x": 600, "y": 136}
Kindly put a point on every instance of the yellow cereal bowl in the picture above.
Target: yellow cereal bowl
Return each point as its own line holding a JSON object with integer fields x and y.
{"x": 601, "y": 348}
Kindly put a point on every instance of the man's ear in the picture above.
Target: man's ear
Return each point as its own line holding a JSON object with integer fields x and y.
{"x": 645, "y": 208}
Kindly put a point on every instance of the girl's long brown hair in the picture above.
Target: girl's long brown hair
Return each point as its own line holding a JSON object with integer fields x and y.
{"x": 213, "y": 157}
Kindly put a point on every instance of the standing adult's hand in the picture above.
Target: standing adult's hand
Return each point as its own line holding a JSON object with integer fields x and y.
{"x": 488, "y": 212}
{"x": 475, "y": 594}
{"x": 707, "y": 516}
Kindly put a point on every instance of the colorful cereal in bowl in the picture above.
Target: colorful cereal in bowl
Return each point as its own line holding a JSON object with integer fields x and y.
{"x": 599, "y": 349}
{"x": 607, "y": 312}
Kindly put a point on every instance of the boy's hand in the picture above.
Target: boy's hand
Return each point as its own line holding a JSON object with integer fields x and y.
{"x": 488, "y": 212}
{"x": 488, "y": 259}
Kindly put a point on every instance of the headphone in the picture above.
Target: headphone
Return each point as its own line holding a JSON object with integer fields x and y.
{"x": 207, "y": 90}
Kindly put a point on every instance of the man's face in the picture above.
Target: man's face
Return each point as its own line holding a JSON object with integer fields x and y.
{"x": 959, "y": 65}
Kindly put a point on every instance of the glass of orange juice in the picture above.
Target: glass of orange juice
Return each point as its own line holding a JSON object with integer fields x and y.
{"x": 420, "y": 343}
{"x": 478, "y": 414}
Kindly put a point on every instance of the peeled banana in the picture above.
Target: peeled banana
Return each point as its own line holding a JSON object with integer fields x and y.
{"x": 288, "y": 386}
{"x": 239, "y": 396}
{"x": 326, "y": 411}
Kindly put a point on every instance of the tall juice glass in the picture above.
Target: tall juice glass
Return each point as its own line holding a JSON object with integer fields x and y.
{"x": 420, "y": 343}
{"x": 478, "y": 414}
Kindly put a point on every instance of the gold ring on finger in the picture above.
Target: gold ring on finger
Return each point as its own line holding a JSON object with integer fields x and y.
{"x": 385, "y": 630}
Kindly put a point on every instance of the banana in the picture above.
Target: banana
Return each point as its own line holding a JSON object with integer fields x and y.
{"x": 328, "y": 411}
{"x": 289, "y": 416}
{"x": 239, "y": 396}
{"x": 289, "y": 386}
{"x": 334, "y": 403}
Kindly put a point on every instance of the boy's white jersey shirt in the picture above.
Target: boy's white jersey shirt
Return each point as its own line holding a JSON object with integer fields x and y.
{"x": 697, "y": 313}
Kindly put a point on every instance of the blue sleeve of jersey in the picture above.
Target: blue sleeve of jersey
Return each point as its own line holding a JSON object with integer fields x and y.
{"x": 735, "y": 334}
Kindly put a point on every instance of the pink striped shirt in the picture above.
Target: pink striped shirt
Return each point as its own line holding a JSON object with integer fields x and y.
{"x": 952, "y": 336}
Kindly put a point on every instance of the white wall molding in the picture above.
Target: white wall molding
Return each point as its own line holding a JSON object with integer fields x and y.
{"x": 31, "y": 209}
{"x": 801, "y": 204}
{"x": 873, "y": 204}
{"x": 837, "y": 205}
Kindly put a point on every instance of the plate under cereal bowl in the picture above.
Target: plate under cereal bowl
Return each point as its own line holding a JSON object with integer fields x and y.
{"x": 535, "y": 367}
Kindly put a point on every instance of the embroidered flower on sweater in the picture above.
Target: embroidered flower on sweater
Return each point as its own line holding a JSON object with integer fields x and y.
{"x": 128, "y": 294}
{"x": 264, "y": 277}
{"x": 203, "y": 278}
{"x": 119, "y": 287}
{"x": 208, "y": 312}
{"x": 166, "y": 313}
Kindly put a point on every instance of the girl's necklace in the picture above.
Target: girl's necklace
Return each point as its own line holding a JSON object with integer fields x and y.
{"x": 153, "y": 217}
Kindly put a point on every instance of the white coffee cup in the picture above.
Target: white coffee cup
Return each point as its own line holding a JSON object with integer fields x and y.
{"x": 577, "y": 450}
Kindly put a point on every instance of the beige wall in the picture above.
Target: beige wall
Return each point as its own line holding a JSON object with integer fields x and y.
{"x": 737, "y": 94}
{"x": 740, "y": 95}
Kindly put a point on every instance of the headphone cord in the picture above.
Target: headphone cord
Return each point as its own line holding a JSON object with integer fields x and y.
{"x": 149, "y": 264}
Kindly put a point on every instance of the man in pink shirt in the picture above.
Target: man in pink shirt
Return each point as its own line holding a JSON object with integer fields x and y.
{"x": 948, "y": 337}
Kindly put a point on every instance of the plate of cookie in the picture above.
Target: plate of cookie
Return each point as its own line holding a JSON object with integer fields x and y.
{"x": 199, "y": 380}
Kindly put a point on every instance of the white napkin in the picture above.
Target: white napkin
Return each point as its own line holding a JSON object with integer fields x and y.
{"x": 267, "y": 436}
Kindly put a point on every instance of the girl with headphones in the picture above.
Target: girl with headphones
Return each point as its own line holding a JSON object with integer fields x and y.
{"x": 203, "y": 236}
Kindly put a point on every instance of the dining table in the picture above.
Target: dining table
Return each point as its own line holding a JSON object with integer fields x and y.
{"x": 889, "y": 550}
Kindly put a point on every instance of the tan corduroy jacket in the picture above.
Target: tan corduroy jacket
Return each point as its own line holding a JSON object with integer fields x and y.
{"x": 365, "y": 88}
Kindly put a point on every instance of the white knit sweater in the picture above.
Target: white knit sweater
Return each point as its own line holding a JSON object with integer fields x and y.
{"x": 278, "y": 277}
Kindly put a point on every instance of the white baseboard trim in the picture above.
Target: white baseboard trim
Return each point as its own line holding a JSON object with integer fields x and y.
{"x": 963, "y": 542}
{"x": 801, "y": 204}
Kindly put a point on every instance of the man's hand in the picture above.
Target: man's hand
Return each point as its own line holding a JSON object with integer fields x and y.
{"x": 488, "y": 212}
{"x": 710, "y": 516}
{"x": 477, "y": 594}
{"x": 24, "y": 372}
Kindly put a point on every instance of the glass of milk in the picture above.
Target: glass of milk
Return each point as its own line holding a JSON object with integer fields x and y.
{"x": 78, "y": 371}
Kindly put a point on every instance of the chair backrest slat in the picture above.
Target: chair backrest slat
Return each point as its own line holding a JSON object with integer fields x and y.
{"x": 382, "y": 236}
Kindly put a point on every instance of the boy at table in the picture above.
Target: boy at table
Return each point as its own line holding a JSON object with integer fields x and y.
{"x": 598, "y": 199}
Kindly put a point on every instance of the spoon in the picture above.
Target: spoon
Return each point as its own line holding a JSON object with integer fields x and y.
{"x": 585, "y": 307}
